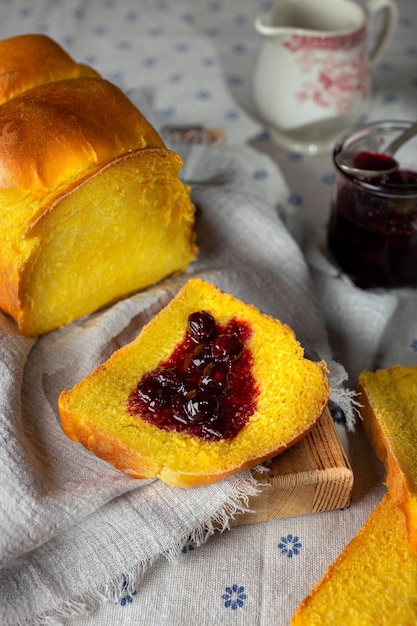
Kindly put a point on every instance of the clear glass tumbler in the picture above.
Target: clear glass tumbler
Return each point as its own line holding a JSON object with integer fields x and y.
{"x": 372, "y": 231}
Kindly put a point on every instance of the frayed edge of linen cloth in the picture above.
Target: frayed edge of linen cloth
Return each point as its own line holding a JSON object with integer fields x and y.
{"x": 341, "y": 395}
{"x": 127, "y": 583}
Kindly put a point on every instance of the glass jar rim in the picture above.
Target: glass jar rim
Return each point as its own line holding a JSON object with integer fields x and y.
{"x": 377, "y": 186}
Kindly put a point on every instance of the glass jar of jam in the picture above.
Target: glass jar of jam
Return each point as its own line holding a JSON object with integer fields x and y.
{"x": 372, "y": 231}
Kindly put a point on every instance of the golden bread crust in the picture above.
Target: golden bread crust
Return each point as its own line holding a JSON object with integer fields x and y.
{"x": 57, "y": 132}
{"x": 34, "y": 59}
{"x": 133, "y": 463}
{"x": 293, "y": 393}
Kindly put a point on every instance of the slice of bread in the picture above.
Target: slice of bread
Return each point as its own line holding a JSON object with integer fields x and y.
{"x": 274, "y": 397}
{"x": 389, "y": 410}
{"x": 372, "y": 583}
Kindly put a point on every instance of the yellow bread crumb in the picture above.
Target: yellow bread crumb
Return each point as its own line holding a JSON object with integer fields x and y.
{"x": 372, "y": 583}
{"x": 389, "y": 410}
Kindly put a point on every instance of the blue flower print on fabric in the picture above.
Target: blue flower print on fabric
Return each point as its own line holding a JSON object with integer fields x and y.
{"x": 241, "y": 20}
{"x": 90, "y": 60}
{"x": 406, "y": 21}
{"x": 150, "y": 61}
{"x": 181, "y": 47}
{"x": 100, "y": 30}
{"x": 295, "y": 199}
{"x": 290, "y": 546}
{"x": 234, "y": 597}
{"x": 231, "y": 115}
{"x": 188, "y": 547}
{"x": 115, "y": 77}
{"x": 162, "y": 5}
{"x": 263, "y": 135}
{"x": 79, "y": 13}
{"x": 295, "y": 157}
{"x": 239, "y": 48}
{"x": 126, "y": 597}
{"x": 260, "y": 174}
{"x": 337, "y": 415}
{"x": 68, "y": 41}
{"x": 390, "y": 98}
{"x": 411, "y": 51}
{"x": 267, "y": 5}
{"x": 132, "y": 16}
{"x": 215, "y": 6}
{"x": 176, "y": 77}
{"x": 203, "y": 94}
{"x": 124, "y": 44}
{"x": 169, "y": 113}
{"x": 328, "y": 178}
{"x": 156, "y": 31}
{"x": 385, "y": 66}
{"x": 188, "y": 18}
{"x": 213, "y": 31}
{"x": 235, "y": 80}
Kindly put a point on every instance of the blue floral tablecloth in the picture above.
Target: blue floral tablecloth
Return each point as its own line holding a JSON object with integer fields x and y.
{"x": 192, "y": 62}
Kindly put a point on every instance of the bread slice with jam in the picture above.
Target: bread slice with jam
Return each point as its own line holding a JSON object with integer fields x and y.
{"x": 210, "y": 387}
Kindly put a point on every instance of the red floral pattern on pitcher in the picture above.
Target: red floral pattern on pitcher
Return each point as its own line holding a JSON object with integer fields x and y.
{"x": 335, "y": 84}
{"x": 338, "y": 42}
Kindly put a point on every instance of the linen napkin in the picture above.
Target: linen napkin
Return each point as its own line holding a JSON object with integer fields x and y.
{"x": 75, "y": 532}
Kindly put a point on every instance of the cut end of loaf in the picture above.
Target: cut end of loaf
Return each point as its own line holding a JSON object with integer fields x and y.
{"x": 127, "y": 226}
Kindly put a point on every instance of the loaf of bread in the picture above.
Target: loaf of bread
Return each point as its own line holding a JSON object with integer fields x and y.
{"x": 34, "y": 59}
{"x": 372, "y": 582}
{"x": 210, "y": 386}
{"x": 92, "y": 208}
{"x": 389, "y": 410}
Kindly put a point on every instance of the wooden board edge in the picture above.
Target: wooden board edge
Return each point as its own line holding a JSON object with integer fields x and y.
{"x": 324, "y": 484}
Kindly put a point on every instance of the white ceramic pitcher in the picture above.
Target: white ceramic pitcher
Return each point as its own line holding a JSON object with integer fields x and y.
{"x": 313, "y": 76}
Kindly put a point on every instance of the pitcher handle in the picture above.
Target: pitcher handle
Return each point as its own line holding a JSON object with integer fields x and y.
{"x": 387, "y": 28}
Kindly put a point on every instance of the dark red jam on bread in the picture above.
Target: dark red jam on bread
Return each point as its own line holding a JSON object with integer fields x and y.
{"x": 206, "y": 388}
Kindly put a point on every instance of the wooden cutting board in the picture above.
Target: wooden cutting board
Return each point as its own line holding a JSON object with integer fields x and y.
{"x": 313, "y": 475}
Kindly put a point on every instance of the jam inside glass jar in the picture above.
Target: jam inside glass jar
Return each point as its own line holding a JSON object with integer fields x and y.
{"x": 373, "y": 221}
